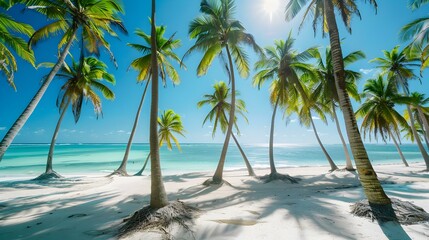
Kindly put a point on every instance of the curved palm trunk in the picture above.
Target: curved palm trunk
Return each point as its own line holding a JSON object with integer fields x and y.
{"x": 398, "y": 148}
{"x": 22, "y": 119}
{"x": 158, "y": 196}
{"x": 368, "y": 178}
{"x": 49, "y": 168}
{"x": 328, "y": 157}
{"x": 217, "y": 177}
{"x": 123, "y": 167}
{"x": 271, "y": 146}
{"x": 424, "y": 122}
{"x": 349, "y": 165}
{"x": 139, "y": 173}
{"x": 417, "y": 138}
{"x": 246, "y": 161}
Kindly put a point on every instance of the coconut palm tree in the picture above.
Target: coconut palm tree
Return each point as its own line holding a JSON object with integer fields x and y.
{"x": 94, "y": 18}
{"x": 83, "y": 79}
{"x": 398, "y": 67}
{"x": 158, "y": 196}
{"x": 378, "y": 112}
{"x": 418, "y": 32}
{"x": 326, "y": 83}
{"x": 323, "y": 12}
{"x": 143, "y": 65}
{"x": 305, "y": 111}
{"x": 10, "y": 31}
{"x": 282, "y": 65}
{"x": 217, "y": 31}
{"x": 219, "y": 101}
{"x": 169, "y": 123}
{"x": 420, "y": 108}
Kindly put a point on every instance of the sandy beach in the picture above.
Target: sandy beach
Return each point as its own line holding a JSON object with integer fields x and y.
{"x": 93, "y": 207}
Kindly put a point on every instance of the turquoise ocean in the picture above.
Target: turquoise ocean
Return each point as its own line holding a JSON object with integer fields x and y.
{"x": 80, "y": 159}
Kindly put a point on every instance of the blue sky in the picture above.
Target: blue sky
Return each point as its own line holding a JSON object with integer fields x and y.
{"x": 372, "y": 34}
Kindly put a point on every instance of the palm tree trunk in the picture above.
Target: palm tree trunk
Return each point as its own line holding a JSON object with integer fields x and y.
{"x": 54, "y": 140}
{"x": 158, "y": 196}
{"x": 370, "y": 183}
{"x": 271, "y": 145}
{"x": 349, "y": 165}
{"x": 22, "y": 119}
{"x": 424, "y": 121}
{"x": 328, "y": 157}
{"x": 417, "y": 138}
{"x": 123, "y": 167}
{"x": 246, "y": 161}
{"x": 398, "y": 148}
{"x": 217, "y": 177}
{"x": 139, "y": 173}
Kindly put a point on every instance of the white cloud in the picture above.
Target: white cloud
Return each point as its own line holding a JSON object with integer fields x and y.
{"x": 293, "y": 120}
{"x": 120, "y": 131}
{"x": 2, "y": 128}
{"x": 310, "y": 130}
{"x": 315, "y": 118}
{"x": 366, "y": 71}
{"x": 40, "y": 131}
{"x": 210, "y": 126}
{"x": 129, "y": 133}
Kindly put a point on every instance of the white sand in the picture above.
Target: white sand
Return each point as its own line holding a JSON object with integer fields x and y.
{"x": 316, "y": 208}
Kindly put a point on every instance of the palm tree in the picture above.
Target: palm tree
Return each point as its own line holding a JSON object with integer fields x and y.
{"x": 219, "y": 101}
{"x": 304, "y": 110}
{"x": 418, "y": 32}
{"x": 326, "y": 82}
{"x": 83, "y": 79}
{"x": 143, "y": 65}
{"x": 282, "y": 65}
{"x": 323, "y": 11}
{"x": 217, "y": 31}
{"x": 93, "y": 17}
{"x": 168, "y": 123}
{"x": 10, "y": 31}
{"x": 379, "y": 114}
{"x": 158, "y": 196}
{"x": 397, "y": 66}
{"x": 419, "y": 107}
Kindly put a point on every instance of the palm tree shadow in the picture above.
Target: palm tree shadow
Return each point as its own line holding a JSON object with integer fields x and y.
{"x": 393, "y": 230}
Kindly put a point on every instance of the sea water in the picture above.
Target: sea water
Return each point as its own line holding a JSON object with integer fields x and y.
{"x": 81, "y": 159}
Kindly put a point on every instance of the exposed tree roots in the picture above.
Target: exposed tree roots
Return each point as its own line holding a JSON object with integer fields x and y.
{"x": 48, "y": 175}
{"x": 404, "y": 212}
{"x": 147, "y": 219}
{"x": 277, "y": 176}
{"x": 211, "y": 182}
{"x": 119, "y": 173}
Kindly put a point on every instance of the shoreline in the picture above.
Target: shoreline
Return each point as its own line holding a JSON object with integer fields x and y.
{"x": 316, "y": 208}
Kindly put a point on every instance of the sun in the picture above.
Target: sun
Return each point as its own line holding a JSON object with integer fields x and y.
{"x": 270, "y": 7}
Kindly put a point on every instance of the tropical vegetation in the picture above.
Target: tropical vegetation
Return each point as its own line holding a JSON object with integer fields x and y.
{"x": 308, "y": 84}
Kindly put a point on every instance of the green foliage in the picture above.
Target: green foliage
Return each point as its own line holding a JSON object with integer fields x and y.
{"x": 220, "y": 103}
{"x": 94, "y": 17}
{"x": 10, "y": 40}
{"x": 215, "y": 30}
{"x": 378, "y": 111}
{"x": 165, "y": 54}
{"x": 169, "y": 123}
{"x": 83, "y": 80}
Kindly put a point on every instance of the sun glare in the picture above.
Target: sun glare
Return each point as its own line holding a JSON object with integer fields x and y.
{"x": 271, "y": 6}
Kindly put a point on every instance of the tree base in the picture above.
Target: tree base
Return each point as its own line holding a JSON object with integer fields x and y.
{"x": 48, "y": 175}
{"x": 149, "y": 218}
{"x": 277, "y": 176}
{"x": 118, "y": 172}
{"x": 211, "y": 182}
{"x": 401, "y": 211}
